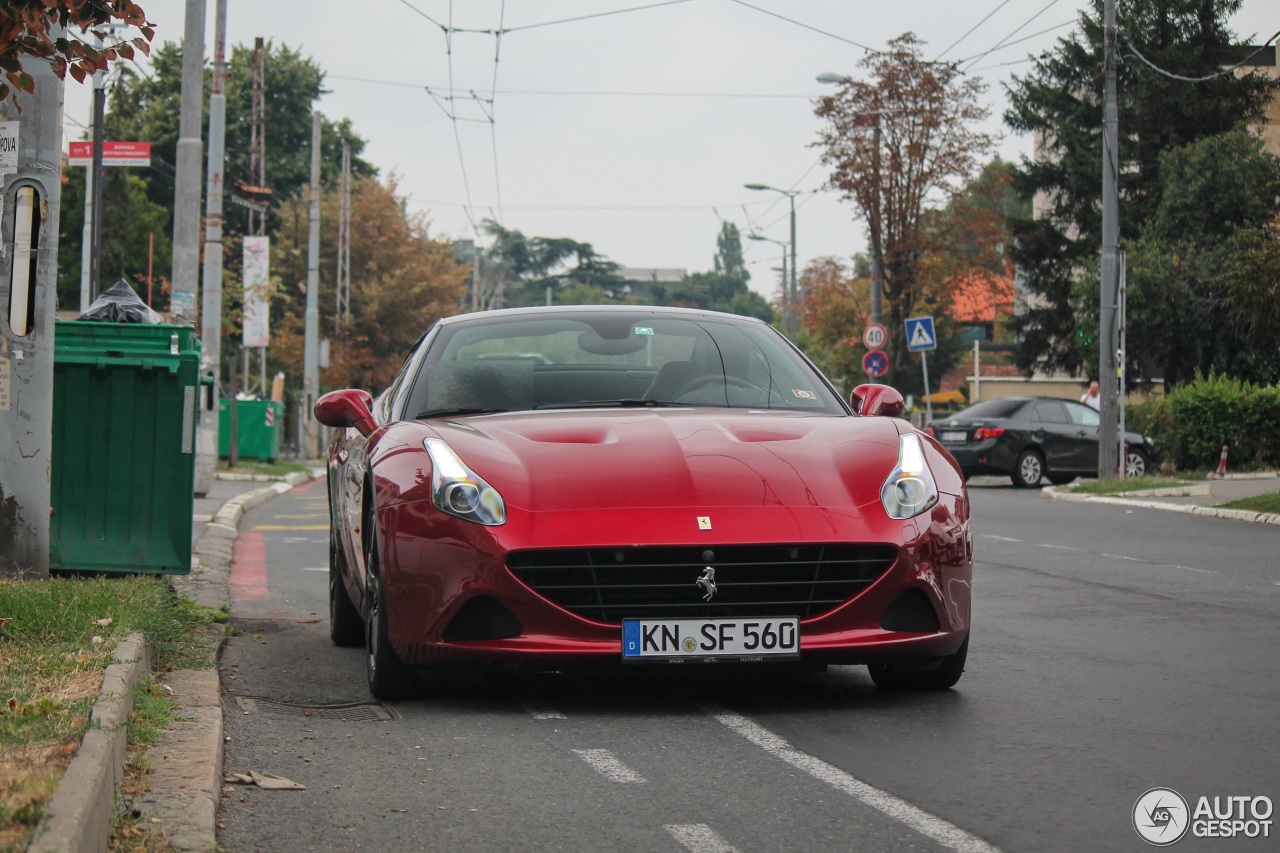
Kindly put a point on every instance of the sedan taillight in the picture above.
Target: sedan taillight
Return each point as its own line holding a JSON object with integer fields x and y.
{"x": 987, "y": 432}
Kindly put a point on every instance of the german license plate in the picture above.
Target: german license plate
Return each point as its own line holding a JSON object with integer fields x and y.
{"x": 955, "y": 436}
{"x": 706, "y": 639}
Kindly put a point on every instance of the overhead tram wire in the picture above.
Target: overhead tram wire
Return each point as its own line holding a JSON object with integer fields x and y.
{"x": 457, "y": 136}
{"x": 969, "y": 32}
{"x": 1206, "y": 78}
{"x": 809, "y": 27}
{"x": 1004, "y": 42}
{"x": 594, "y": 15}
{"x": 1036, "y": 34}
{"x": 582, "y": 92}
{"x": 493, "y": 124}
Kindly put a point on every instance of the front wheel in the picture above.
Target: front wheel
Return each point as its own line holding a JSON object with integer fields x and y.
{"x": 942, "y": 678}
{"x": 1028, "y": 470}
{"x": 1135, "y": 463}
{"x": 389, "y": 678}
{"x": 346, "y": 628}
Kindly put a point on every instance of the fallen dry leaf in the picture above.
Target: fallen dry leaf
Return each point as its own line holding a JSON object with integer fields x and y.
{"x": 103, "y": 622}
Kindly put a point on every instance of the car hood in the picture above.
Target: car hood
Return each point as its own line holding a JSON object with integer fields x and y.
{"x": 578, "y": 460}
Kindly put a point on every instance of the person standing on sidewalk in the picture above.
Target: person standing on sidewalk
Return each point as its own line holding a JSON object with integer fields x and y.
{"x": 1090, "y": 397}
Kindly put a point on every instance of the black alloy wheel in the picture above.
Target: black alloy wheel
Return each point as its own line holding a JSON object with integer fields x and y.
{"x": 346, "y": 628}
{"x": 886, "y": 677}
{"x": 389, "y": 678}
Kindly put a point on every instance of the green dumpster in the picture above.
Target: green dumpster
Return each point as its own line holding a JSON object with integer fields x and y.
{"x": 259, "y": 428}
{"x": 125, "y": 406}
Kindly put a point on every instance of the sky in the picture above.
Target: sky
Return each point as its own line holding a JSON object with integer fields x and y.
{"x": 631, "y": 125}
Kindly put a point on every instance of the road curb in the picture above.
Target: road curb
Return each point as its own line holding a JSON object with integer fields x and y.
{"x": 1186, "y": 509}
{"x": 79, "y": 816}
{"x": 186, "y": 778}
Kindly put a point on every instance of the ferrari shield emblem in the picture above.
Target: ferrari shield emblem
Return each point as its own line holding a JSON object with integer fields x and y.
{"x": 704, "y": 522}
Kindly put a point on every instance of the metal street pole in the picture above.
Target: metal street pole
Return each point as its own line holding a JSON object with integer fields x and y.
{"x": 186, "y": 195}
{"x": 90, "y": 192}
{"x": 211, "y": 294}
{"x": 311, "y": 320}
{"x": 31, "y": 179}
{"x": 1108, "y": 459}
{"x": 877, "y": 259}
{"x": 98, "y": 178}
{"x": 795, "y": 305}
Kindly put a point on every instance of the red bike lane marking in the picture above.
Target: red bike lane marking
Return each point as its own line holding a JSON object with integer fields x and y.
{"x": 248, "y": 580}
{"x": 308, "y": 486}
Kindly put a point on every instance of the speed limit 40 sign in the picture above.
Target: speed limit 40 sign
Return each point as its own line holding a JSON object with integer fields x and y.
{"x": 874, "y": 336}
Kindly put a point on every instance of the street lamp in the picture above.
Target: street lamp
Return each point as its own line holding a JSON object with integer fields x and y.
{"x": 793, "y": 324}
{"x": 789, "y": 314}
{"x": 877, "y": 258}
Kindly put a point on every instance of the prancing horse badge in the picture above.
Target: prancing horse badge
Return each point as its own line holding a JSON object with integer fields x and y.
{"x": 704, "y": 522}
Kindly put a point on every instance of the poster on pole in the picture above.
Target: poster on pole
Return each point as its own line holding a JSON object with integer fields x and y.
{"x": 257, "y": 284}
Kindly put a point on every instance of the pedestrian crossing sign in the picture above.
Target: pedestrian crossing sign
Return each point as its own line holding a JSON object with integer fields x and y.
{"x": 920, "y": 334}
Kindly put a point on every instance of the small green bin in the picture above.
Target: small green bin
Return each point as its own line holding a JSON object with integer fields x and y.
{"x": 259, "y": 428}
{"x": 125, "y": 405}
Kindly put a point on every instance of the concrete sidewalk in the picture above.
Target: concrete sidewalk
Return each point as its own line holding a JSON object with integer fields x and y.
{"x": 1199, "y": 498}
{"x": 186, "y": 779}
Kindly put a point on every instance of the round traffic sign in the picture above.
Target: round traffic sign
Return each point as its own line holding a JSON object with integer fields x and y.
{"x": 874, "y": 336}
{"x": 875, "y": 363}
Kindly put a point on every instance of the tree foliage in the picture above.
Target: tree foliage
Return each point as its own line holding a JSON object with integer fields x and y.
{"x": 517, "y": 270}
{"x": 899, "y": 143}
{"x": 40, "y": 28}
{"x": 401, "y": 283}
{"x": 1060, "y": 101}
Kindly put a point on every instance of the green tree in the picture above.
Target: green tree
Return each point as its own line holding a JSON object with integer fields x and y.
{"x": 1060, "y": 102}
{"x": 897, "y": 144}
{"x": 517, "y": 270}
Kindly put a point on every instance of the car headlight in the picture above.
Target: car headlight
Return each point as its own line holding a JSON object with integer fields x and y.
{"x": 910, "y": 489}
{"x": 458, "y": 490}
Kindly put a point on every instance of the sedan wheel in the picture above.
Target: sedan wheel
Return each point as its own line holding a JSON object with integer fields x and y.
{"x": 389, "y": 678}
{"x": 1135, "y": 463}
{"x": 346, "y": 628}
{"x": 1028, "y": 470}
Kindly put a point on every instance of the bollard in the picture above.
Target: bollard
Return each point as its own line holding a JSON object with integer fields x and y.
{"x": 1222, "y": 463}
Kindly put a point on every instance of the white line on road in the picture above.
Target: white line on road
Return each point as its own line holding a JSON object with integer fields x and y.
{"x": 609, "y": 766}
{"x": 1123, "y": 557}
{"x": 541, "y": 712}
{"x": 947, "y": 834}
{"x": 315, "y": 568}
{"x": 1061, "y": 547}
{"x": 1194, "y": 569}
{"x": 699, "y": 838}
{"x": 1001, "y": 538}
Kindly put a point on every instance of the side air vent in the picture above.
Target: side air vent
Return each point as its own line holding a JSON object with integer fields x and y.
{"x": 912, "y": 612}
{"x": 482, "y": 618}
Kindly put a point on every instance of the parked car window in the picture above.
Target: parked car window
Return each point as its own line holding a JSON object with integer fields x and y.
{"x": 1082, "y": 415}
{"x": 999, "y": 408}
{"x": 1050, "y": 412}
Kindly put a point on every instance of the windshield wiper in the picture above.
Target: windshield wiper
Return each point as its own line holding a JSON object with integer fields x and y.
{"x": 439, "y": 413}
{"x": 612, "y": 404}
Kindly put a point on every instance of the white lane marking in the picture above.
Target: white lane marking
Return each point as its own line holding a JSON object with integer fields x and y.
{"x": 607, "y": 764}
{"x": 947, "y": 834}
{"x": 1123, "y": 557}
{"x": 1194, "y": 569}
{"x": 1001, "y": 538}
{"x": 315, "y": 568}
{"x": 541, "y": 712}
{"x": 699, "y": 838}
{"x": 1060, "y": 547}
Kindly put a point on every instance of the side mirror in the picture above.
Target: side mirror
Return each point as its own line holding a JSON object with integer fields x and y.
{"x": 871, "y": 401}
{"x": 346, "y": 409}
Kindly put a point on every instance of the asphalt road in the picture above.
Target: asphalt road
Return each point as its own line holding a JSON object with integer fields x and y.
{"x": 1114, "y": 651}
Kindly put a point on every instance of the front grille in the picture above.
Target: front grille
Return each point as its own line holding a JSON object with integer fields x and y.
{"x": 610, "y": 584}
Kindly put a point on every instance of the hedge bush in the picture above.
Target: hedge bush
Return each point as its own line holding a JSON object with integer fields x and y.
{"x": 1192, "y": 422}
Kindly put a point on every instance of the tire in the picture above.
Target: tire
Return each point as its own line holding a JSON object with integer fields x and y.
{"x": 389, "y": 678}
{"x": 1062, "y": 479}
{"x": 942, "y": 678}
{"x": 346, "y": 628}
{"x": 1028, "y": 470}
{"x": 1135, "y": 463}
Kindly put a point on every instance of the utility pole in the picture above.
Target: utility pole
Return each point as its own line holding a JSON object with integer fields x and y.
{"x": 92, "y": 180}
{"x": 311, "y": 320}
{"x": 186, "y": 194}
{"x": 211, "y": 297}
{"x": 1108, "y": 456}
{"x": 342, "y": 285}
{"x": 30, "y": 187}
{"x": 877, "y": 257}
{"x": 795, "y": 301}
{"x": 258, "y": 171}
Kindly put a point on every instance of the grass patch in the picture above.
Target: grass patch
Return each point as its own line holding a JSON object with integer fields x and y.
{"x": 57, "y": 637}
{"x": 1114, "y": 485}
{"x": 1269, "y": 502}
{"x": 270, "y": 469}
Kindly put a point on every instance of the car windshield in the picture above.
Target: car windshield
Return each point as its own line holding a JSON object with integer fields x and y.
{"x": 600, "y": 359}
{"x": 988, "y": 409}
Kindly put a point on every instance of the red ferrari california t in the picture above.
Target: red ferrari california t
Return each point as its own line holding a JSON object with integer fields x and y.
{"x": 568, "y": 486}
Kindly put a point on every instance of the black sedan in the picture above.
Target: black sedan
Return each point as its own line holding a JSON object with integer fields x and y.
{"x": 1029, "y": 438}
